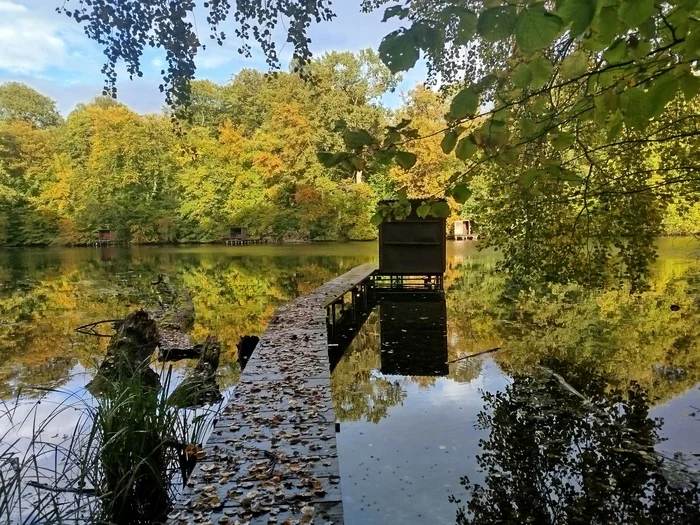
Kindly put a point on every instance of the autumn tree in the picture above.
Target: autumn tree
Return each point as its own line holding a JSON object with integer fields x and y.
{"x": 20, "y": 102}
{"x": 569, "y": 97}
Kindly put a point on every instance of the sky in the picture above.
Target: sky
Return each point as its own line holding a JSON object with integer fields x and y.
{"x": 49, "y": 52}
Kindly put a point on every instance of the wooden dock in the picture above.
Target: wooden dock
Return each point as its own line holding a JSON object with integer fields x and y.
{"x": 272, "y": 457}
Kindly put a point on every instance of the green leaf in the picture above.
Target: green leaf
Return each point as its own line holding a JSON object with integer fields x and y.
{"x": 578, "y": 13}
{"x": 634, "y": 104}
{"x": 661, "y": 93}
{"x": 392, "y": 137}
{"x": 563, "y": 141}
{"x": 465, "y": 104}
{"x": 692, "y": 41}
{"x": 571, "y": 177}
{"x": 639, "y": 50}
{"x": 465, "y": 149}
{"x": 614, "y": 125}
{"x": 522, "y": 76}
{"x": 440, "y": 209}
{"x": 690, "y": 86}
{"x": 406, "y": 159}
{"x": 575, "y": 65}
{"x": 617, "y": 52}
{"x": 357, "y": 139}
{"x": 326, "y": 159}
{"x": 604, "y": 29}
{"x": 461, "y": 193}
{"x": 423, "y": 210}
{"x": 396, "y": 10}
{"x": 427, "y": 36}
{"x": 399, "y": 51}
{"x": 377, "y": 219}
{"x": 449, "y": 142}
{"x": 497, "y": 23}
{"x": 634, "y": 13}
{"x": 466, "y": 30}
{"x": 536, "y": 29}
{"x": 357, "y": 162}
{"x": 541, "y": 70}
{"x": 528, "y": 177}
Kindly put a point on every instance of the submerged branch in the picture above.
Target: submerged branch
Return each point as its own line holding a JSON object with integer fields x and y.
{"x": 490, "y": 351}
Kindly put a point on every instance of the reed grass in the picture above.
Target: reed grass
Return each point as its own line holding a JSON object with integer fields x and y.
{"x": 123, "y": 462}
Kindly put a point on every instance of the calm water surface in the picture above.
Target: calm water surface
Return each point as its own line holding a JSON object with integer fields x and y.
{"x": 587, "y": 409}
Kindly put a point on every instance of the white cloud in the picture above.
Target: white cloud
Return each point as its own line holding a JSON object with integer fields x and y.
{"x": 11, "y": 7}
{"x": 212, "y": 60}
{"x": 29, "y": 44}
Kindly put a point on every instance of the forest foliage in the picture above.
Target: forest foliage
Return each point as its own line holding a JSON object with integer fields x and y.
{"x": 575, "y": 120}
{"x": 247, "y": 157}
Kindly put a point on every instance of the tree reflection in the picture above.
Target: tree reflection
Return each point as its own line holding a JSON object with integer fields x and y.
{"x": 554, "y": 456}
{"x": 44, "y": 295}
{"x": 358, "y": 391}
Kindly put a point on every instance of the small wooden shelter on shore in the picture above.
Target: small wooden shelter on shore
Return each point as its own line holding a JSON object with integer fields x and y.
{"x": 412, "y": 251}
{"x": 108, "y": 237}
{"x": 238, "y": 236}
{"x": 464, "y": 231}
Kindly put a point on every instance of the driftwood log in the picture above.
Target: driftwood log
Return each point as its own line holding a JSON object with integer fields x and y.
{"x": 138, "y": 336}
{"x": 129, "y": 351}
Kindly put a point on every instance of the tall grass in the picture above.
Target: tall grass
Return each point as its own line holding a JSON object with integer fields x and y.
{"x": 122, "y": 463}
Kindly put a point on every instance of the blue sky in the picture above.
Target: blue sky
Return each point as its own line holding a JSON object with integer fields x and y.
{"x": 51, "y": 53}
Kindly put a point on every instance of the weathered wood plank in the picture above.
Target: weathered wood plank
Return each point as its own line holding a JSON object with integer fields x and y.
{"x": 272, "y": 455}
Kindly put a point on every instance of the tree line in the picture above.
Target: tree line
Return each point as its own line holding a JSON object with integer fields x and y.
{"x": 247, "y": 157}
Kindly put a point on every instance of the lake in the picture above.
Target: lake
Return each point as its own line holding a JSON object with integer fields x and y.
{"x": 579, "y": 407}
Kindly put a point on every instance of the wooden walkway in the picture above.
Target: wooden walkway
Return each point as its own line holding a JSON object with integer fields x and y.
{"x": 272, "y": 457}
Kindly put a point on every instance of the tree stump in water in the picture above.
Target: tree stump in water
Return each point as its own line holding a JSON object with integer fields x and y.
{"x": 175, "y": 320}
{"x": 128, "y": 353}
{"x": 200, "y": 387}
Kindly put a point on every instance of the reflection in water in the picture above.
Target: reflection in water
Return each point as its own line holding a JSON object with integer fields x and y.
{"x": 46, "y": 294}
{"x": 558, "y": 427}
{"x": 554, "y": 458}
{"x": 414, "y": 334}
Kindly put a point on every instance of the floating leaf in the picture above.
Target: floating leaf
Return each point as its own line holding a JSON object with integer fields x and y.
{"x": 465, "y": 149}
{"x": 690, "y": 86}
{"x": 449, "y": 142}
{"x": 377, "y": 219}
{"x": 536, "y": 28}
{"x": 399, "y": 51}
{"x": 326, "y": 158}
{"x": 497, "y": 23}
{"x": 461, "y": 193}
{"x": 563, "y": 141}
{"x": 357, "y": 139}
{"x": 423, "y": 210}
{"x": 541, "y": 70}
{"x": 579, "y": 13}
{"x": 634, "y": 13}
{"x": 465, "y": 104}
{"x": 530, "y": 176}
{"x": 522, "y": 76}
{"x": 440, "y": 209}
{"x": 617, "y": 52}
{"x": 575, "y": 65}
{"x": 466, "y": 30}
{"x": 395, "y": 11}
{"x": 406, "y": 159}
